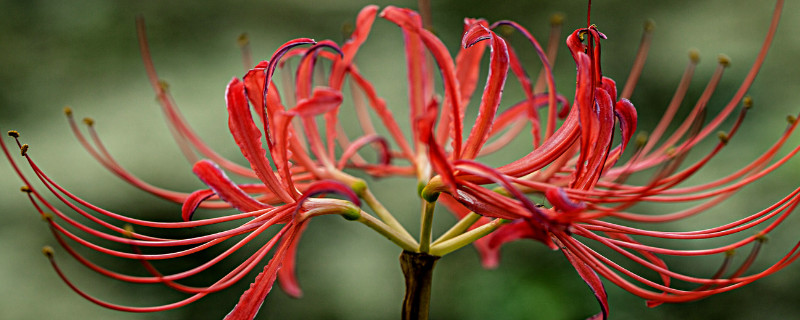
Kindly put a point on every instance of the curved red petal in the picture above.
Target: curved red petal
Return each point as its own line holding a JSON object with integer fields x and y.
{"x": 226, "y": 189}
{"x": 490, "y": 100}
{"x": 248, "y": 137}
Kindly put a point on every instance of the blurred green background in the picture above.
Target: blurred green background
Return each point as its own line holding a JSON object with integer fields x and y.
{"x": 84, "y": 54}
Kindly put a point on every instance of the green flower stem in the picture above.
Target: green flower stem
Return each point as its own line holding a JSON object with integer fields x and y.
{"x": 466, "y": 238}
{"x": 384, "y": 214}
{"x": 459, "y": 228}
{"x": 403, "y": 240}
{"x": 426, "y": 225}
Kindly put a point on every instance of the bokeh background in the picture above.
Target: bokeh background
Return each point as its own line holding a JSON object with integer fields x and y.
{"x": 85, "y": 55}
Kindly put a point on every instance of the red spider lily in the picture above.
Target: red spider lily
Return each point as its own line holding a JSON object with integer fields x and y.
{"x": 576, "y": 165}
{"x": 576, "y": 170}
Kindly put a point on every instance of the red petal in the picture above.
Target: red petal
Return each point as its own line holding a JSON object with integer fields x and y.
{"x": 498, "y": 71}
{"x": 592, "y": 280}
{"x": 192, "y": 202}
{"x": 468, "y": 63}
{"x": 329, "y": 186}
{"x": 252, "y": 299}
{"x": 321, "y": 101}
{"x": 226, "y": 189}
{"x": 559, "y": 199}
{"x": 406, "y": 19}
{"x": 287, "y": 274}
{"x": 363, "y": 26}
{"x": 248, "y": 137}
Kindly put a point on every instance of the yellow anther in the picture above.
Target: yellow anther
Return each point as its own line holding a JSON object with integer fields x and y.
{"x": 25, "y": 189}
{"x": 128, "y": 231}
{"x": 724, "y": 60}
{"x": 88, "y": 121}
{"x": 163, "y": 84}
{"x": 670, "y": 152}
{"x": 761, "y": 237}
{"x": 347, "y": 30}
{"x": 694, "y": 55}
{"x": 649, "y": 25}
{"x": 47, "y": 217}
{"x": 723, "y": 137}
{"x": 505, "y": 30}
{"x": 641, "y": 138}
{"x": 730, "y": 252}
{"x": 13, "y": 134}
{"x": 48, "y": 251}
{"x": 557, "y": 19}
{"x": 23, "y": 150}
{"x": 243, "y": 40}
{"x": 747, "y": 102}
{"x": 791, "y": 119}
{"x": 67, "y": 111}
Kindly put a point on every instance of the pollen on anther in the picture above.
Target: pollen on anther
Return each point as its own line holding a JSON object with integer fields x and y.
{"x": 505, "y": 30}
{"x": 791, "y": 119}
{"x": 641, "y": 139}
{"x": 724, "y": 60}
{"x": 163, "y": 84}
{"x": 762, "y": 238}
{"x": 88, "y": 121}
{"x": 24, "y": 150}
{"x": 67, "y": 111}
{"x": 243, "y": 40}
{"x": 694, "y": 55}
{"x": 25, "y": 189}
{"x": 557, "y": 19}
{"x": 128, "y": 231}
{"x": 670, "y": 152}
{"x": 747, "y": 102}
{"x": 723, "y": 137}
{"x": 13, "y": 134}
{"x": 48, "y": 251}
{"x": 649, "y": 25}
{"x": 347, "y": 30}
{"x": 47, "y": 217}
{"x": 730, "y": 252}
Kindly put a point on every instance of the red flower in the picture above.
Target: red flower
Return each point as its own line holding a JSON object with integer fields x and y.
{"x": 578, "y": 166}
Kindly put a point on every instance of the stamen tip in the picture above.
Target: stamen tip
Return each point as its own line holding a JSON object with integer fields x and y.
{"x": 649, "y": 25}
{"x": 694, "y": 55}
{"x": 68, "y": 111}
{"x": 670, "y": 152}
{"x": 88, "y": 121}
{"x": 48, "y": 251}
{"x": 730, "y": 252}
{"x": 791, "y": 119}
{"x": 747, "y": 102}
{"x": 243, "y": 39}
{"x": 26, "y": 189}
{"x": 724, "y": 60}
{"x": 24, "y": 150}
{"x": 557, "y": 19}
{"x": 347, "y": 30}
{"x": 13, "y": 134}
{"x": 641, "y": 139}
{"x": 47, "y": 217}
{"x": 762, "y": 238}
{"x": 163, "y": 84}
{"x": 723, "y": 137}
{"x": 127, "y": 231}
{"x": 505, "y": 30}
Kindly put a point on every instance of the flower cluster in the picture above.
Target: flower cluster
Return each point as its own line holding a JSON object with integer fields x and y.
{"x": 577, "y": 162}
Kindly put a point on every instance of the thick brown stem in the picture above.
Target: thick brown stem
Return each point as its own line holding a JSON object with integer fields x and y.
{"x": 418, "y": 271}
